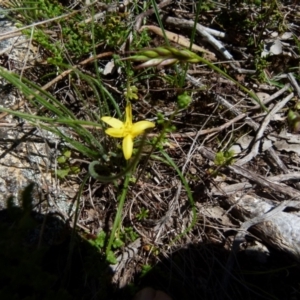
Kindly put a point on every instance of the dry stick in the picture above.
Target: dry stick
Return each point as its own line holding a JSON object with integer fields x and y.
{"x": 230, "y": 189}
{"x": 60, "y": 77}
{"x": 259, "y": 179}
{"x": 194, "y": 81}
{"x": 285, "y": 177}
{"x": 260, "y": 132}
{"x": 10, "y": 35}
{"x": 272, "y": 97}
{"x": 236, "y": 111}
{"x": 24, "y": 62}
{"x": 82, "y": 63}
{"x": 278, "y": 161}
{"x": 181, "y": 23}
{"x": 192, "y": 150}
{"x": 233, "y": 188}
{"x": 210, "y": 130}
{"x": 294, "y": 83}
{"x": 255, "y": 126}
{"x": 214, "y": 32}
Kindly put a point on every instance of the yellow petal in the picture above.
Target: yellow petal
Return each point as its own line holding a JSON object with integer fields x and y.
{"x": 115, "y": 132}
{"x": 140, "y": 127}
{"x": 128, "y": 117}
{"x": 127, "y": 146}
{"x": 113, "y": 122}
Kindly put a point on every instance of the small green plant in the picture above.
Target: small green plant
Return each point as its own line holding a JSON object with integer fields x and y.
{"x": 99, "y": 241}
{"x": 261, "y": 64}
{"x": 140, "y": 41}
{"x": 65, "y": 167}
{"x": 111, "y": 258}
{"x": 293, "y": 118}
{"x": 224, "y": 158}
{"x": 73, "y": 29}
{"x": 183, "y": 100}
{"x": 145, "y": 270}
{"x": 117, "y": 243}
{"x": 143, "y": 214}
{"x": 129, "y": 235}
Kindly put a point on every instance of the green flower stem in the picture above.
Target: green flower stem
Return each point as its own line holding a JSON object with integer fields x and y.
{"x": 117, "y": 221}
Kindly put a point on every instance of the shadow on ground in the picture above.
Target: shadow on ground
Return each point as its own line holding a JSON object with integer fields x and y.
{"x": 41, "y": 258}
{"x": 199, "y": 272}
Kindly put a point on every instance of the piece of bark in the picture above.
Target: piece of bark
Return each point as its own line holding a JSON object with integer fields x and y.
{"x": 280, "y": 230}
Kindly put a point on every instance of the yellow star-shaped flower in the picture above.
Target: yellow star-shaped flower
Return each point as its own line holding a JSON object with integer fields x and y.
{"x": 126, "y": 130}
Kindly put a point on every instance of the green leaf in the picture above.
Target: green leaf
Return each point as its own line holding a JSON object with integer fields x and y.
{"x": 75, "y": 169}
{"x": 61, "y": 159}
{"x": 117, "y": 243}
{"x": 145, "y": 270}
{"x": 111, "y": 258}
{"x": 62, "y": 173}
{"x": 183, "y": 100}
{"x": 100, "y": 239}
{"x": 67, "y": 153}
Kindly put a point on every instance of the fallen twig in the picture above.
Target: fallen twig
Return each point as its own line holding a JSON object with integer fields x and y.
{"x": 274, "y": 96}
{"x": 260, "y": 132}
{"x": 255, "y": 126}
{"x": 182, "y": 23}
{"x": 294, "y": 83}
{"x": 259, "y": 179}
{"x": 233, "y": 188}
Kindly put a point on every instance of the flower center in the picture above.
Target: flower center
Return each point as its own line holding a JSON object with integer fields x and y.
{"x": 127, "y": 129}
